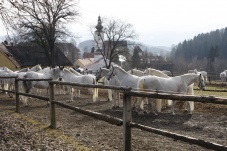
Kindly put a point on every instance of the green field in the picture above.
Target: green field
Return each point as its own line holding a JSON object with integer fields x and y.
{"x": 212, "y": 91}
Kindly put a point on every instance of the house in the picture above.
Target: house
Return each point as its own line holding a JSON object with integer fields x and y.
{"x": 83, "y": 63}
{"x": 7, "y": 59}
{"x": 31, "y": 55}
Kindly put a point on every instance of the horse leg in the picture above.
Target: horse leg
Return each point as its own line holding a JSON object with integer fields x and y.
{"x": 109, "y": 91}
{"x": 78, "y": 93}
{"x": 71, "y": 94}
{"x": 172, "y": 107}
{"x": 118, "y": 94}
{"x": 190, "y": 91}
{"x": 151, "y": 103}
{"x": 97, "y": 92}
{"x": 113, "y": 96}
{"x": 6, "y": 86}
{"x": 135, "y": 101}
{"x": 158, "y": 105}
{"x": 142, "y": 103}
{"x": 190, "y": 106}
{"x": 166, "y": 103}
{"x": 93, "y": 94}
{"x": 61, "y": 89}
{"x": 11, "y": 88}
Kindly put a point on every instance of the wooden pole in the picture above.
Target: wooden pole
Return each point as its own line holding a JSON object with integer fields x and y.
{"x": 52, "y": 106}
{"x": 17, "y": 96}
{"x": 127, "y": 118}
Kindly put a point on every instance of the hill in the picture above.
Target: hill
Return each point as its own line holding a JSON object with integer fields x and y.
{"x": 157, "y": 50}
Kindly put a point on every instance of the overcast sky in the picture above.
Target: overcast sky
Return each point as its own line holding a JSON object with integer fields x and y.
{"x": 157, "y": 22}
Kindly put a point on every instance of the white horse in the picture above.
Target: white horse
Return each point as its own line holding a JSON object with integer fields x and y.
{"x": 112, "y": 94}
{"x": 177, "y": 84}
{"x": 193, "y": 71}
{"x": 136, "y": 72}
{"x": 68, "y": 76}
{"x": 223, "y": 76}
{"x": 3, "y": 72}
{"x": 20, "y": 75}
{"x": 126, "y": 80}
{"x": 167, "y": 72}
{"x": 7, "y": 83}
{"x": 159, "y": 102}
{"x": 64, "y": 88}
{"x": 203, "y": 73}
{"x": 190, "y": 90}
{"x": 79, "y": 74}
{"x": 53, "y": 74}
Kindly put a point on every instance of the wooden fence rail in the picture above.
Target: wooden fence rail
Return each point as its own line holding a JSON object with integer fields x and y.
{"x": 127, "y": 116}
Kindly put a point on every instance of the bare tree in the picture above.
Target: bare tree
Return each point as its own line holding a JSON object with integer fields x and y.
{"x": 116, "y": 33}
{"x": 41, "y": 21}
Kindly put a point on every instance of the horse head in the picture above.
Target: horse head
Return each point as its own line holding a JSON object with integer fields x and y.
{"x": 201, "y": 85}
{"x": 60, "y": 73}
{"x": 38, "y": 68}
{"x": 98, "y": 74}
{"x": 110, "y": 73}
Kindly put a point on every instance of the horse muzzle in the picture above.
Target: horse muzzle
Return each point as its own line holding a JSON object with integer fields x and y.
{"x": 202, "y": 86}
{"x": 97, "y": 79}
{"x": 108, "y": 78}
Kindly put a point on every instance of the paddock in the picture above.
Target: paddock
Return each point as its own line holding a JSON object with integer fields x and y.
{"x": 208, "y": 123}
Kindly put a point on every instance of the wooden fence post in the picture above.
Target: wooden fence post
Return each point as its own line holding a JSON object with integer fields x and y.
{"x": 17, "y": 96}
{"x": 52, "y": 106}
{"x": 127, "y": 118}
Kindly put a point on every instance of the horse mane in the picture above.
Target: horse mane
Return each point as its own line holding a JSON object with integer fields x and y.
{"x": 115, "y": 66}
{"x": 156, "y": 72}
{"x": 24, "y": 70}
{"x": 67, "y": 71}
{"x": 34, "y": 67}
{"x": 7, "y": 69}
{"x": 74, "y": 71}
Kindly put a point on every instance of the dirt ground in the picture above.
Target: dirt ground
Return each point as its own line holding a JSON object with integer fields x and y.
{"x": 208, "y": 122}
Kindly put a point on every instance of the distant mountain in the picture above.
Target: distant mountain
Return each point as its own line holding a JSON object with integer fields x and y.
{"x": 86, "y": 46}
{"x": 2, "y": 38}
{"x": 156, "y": 50}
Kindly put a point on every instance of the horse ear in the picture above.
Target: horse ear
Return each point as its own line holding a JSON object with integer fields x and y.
{"x": 61, "y": 67}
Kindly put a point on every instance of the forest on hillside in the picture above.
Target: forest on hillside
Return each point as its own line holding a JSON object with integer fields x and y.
{"x": 207, "y": 51}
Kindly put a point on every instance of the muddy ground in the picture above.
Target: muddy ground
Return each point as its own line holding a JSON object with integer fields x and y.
{"x": 208, "y": 122}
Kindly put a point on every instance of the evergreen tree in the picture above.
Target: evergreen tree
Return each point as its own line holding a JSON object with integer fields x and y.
{"x": 135, "y": 57}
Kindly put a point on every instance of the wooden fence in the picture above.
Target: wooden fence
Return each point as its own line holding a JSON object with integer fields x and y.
{"x": 127, "y": 113}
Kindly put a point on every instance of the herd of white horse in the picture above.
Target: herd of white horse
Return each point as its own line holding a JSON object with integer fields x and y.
{"x": 147, "y": 80}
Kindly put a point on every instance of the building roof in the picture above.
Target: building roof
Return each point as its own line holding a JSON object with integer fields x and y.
{"x": 85, "y": 61}
{"x": 3, "y": 49}
{"x": 31, "y": 55}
